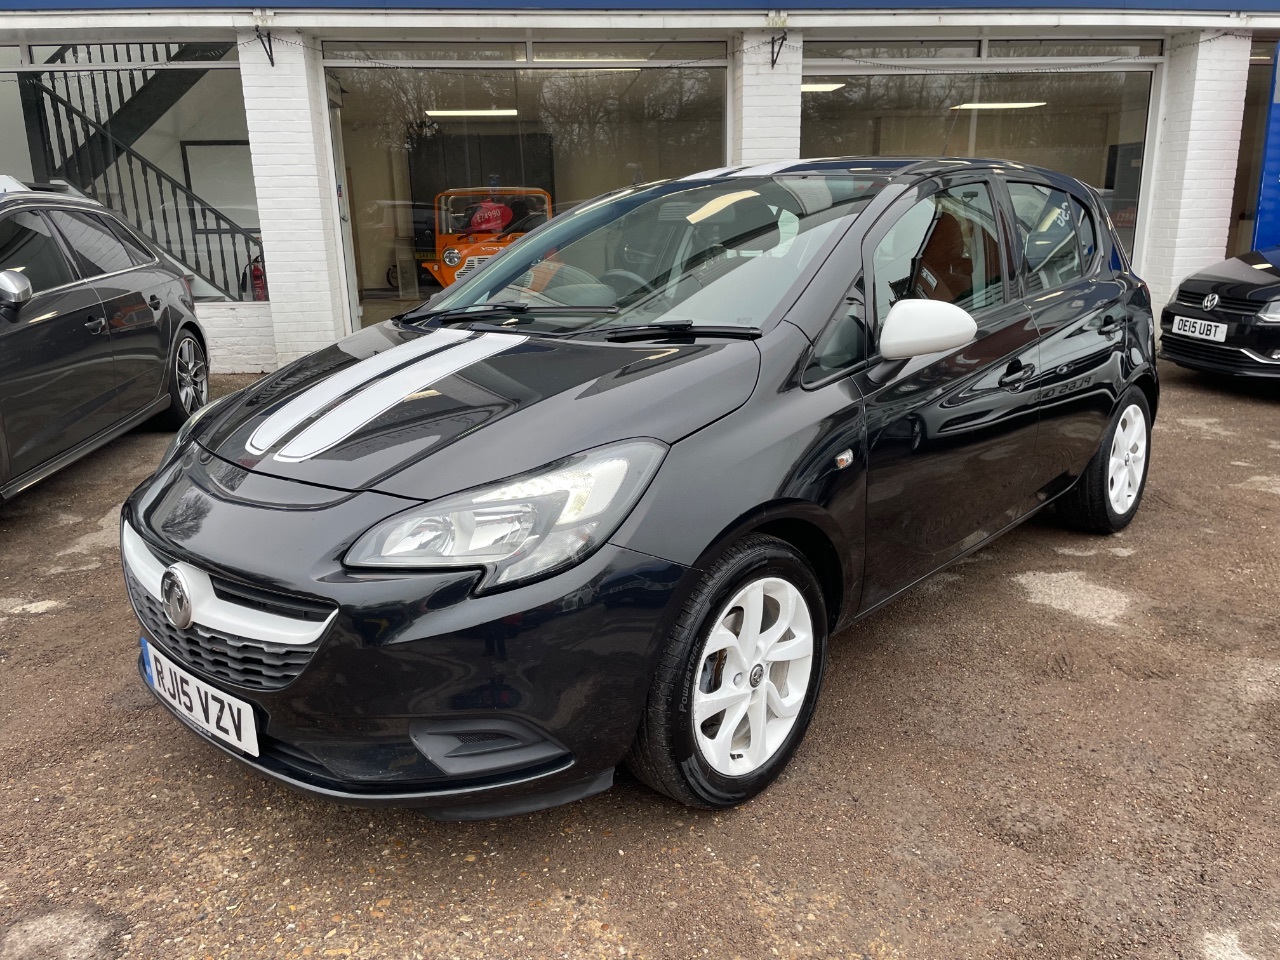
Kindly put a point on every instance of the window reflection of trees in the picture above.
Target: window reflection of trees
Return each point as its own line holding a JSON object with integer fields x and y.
{"x": 1084, "y": 114}
{"x": 618, "y": 123}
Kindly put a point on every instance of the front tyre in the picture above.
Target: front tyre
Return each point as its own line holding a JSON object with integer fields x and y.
{"x": 188, "y": 380}
{"x": 1107, "y": 495}
{"x": 737, "y": 684}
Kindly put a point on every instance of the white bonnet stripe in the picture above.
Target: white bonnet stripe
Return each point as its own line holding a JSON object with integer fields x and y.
{"x": 310, "y": 402}
{"x": 369, "y": 404}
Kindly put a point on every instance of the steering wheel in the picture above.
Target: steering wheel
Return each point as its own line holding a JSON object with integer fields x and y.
{"x": 635, "y": 282}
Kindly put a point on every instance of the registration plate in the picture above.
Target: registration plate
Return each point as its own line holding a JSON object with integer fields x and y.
{"x": 1200, "y": 329}
{"x": 219, "y": 714}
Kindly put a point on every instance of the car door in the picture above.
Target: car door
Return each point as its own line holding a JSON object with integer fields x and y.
{"x": 1081, "y": 309}
{"x": 57, "y": 376}
{"x": 135, "y": 290}
{"x": 950, "y": 436}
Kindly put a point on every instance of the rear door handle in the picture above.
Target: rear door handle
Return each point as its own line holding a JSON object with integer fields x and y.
{"x": 1017, "y": 376}
{"x": 154, "y": 302}
{"x": 96, "y": 325}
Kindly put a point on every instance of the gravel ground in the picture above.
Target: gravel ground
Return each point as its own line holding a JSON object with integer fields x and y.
{"x": 1065, "y": 746}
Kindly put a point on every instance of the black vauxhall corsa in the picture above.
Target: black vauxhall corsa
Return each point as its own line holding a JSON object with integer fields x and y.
{"x": 606, "y": 500}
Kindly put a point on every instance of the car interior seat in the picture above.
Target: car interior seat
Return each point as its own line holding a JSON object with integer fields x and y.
{"x": 944, "y": 270}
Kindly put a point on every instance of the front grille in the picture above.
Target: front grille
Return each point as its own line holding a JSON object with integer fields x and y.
{"x": 473, "y": 264}
{"x": 242, "y": 661}
{"x": 1225, "y": 304}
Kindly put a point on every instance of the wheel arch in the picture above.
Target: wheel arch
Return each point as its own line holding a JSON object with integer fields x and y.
{"x": 1146, "y": 382}
{"x": 813, "y": 533}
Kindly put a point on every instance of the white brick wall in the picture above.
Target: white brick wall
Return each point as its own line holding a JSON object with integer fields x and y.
{"x": 1190, "y": 199}
{"x": 241, "y": 336}
{"x": 284, "y": 109}
{"x": 766, "y": 98}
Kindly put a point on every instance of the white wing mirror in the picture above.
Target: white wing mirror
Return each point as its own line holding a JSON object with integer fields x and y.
{"x": 914, "y": 328}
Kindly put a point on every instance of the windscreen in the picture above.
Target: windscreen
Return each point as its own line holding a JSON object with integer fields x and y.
{"x": 722, "y": 252}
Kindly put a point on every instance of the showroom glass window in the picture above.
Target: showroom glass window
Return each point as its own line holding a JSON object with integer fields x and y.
{"x": 1077, "y": 106}
{"x": 571, "y": 120}
{"x": 156, "y": 131}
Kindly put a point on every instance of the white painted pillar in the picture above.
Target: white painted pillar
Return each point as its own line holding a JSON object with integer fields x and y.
{"x": 766, "y": 98}
{"x": 1189, "y": 201}
{"x": 286, "y": 108}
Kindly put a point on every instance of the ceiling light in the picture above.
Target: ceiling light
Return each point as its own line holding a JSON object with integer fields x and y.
{"x": 999, "y": 106}
{"x": 472, "y": 113}
{"x": 819, "y": 87}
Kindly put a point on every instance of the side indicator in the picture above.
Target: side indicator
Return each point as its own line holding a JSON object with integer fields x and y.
{"x": 843, "y": 459}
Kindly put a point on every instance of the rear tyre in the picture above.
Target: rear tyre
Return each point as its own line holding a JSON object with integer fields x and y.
{"x": 188, "y": 380}
{"x": 737, "y": 684}
{"x": 1108, "y": 493}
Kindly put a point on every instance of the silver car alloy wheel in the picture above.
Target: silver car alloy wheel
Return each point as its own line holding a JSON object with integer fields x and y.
{"x": 192, "y": 375}
{"x": 752, "y": 676}
{"x": 1128, "y": 459}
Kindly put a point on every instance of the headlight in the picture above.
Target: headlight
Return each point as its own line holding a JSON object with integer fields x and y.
{"x": 184, "y": 432}
{"x": 520, "y": 528}
{"x": 451, "y": 257}
{"x": 1270, "y": 313}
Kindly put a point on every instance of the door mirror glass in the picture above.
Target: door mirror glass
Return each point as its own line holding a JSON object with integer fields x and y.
{"x": 15, "y": 289}
{"x": 914, "y": 328}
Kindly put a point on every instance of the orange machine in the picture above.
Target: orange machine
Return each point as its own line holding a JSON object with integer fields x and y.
{"x": 474, "y": 223}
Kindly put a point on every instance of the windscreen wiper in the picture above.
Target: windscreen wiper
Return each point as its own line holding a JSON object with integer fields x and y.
{"x": 676, "y": 327}
{"x": 487, "y": 311}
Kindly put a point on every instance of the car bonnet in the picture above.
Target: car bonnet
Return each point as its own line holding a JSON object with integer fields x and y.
{"x": 421, "y": 413}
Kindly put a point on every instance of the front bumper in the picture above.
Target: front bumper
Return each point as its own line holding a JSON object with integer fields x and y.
{"x": 414, "y": 691}
{"x": 1247, "y": 350}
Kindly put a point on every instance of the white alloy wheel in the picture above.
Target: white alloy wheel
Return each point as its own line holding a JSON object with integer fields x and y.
{"x": 1128, "y": 459}
{"x": 752, "y": 676}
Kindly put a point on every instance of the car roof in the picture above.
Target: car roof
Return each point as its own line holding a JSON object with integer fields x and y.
{"x": 911, "y": 167}
{"x": 48, "y": 198}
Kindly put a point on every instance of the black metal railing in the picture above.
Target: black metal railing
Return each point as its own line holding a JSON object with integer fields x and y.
{"x": 89, "y": 155}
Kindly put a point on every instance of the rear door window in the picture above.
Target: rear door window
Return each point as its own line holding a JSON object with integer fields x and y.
{"x": 138, "y": 253}
{"x": 27, "y": 245}
{"x": 96, "y": 248}
{"x": 1047, "y": 233}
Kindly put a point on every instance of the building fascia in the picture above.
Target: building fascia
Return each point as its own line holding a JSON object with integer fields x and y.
{"x": 108, "y": 25}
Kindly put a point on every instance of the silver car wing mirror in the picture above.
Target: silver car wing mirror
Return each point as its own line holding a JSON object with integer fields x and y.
{"x": 15, "y": 290}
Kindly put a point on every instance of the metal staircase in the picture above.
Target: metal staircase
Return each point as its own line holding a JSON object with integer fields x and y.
{"x": 82, "y": 128}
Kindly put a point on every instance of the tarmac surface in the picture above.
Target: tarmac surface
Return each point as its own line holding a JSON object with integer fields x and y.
{"x": 1063, "y": 747}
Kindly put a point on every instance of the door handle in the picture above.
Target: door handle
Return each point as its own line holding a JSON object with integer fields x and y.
{"x": 1016, "y": 376}
{"x": 96, "y": 324}
{"x": 1111, "y": 324}
{"x": 154, "y": 303}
